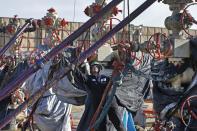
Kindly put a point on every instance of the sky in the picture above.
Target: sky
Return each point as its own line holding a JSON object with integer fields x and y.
{"x": 154, "y": 16}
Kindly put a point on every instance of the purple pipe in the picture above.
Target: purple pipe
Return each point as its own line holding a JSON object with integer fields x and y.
{"x": 14, "y": 85}
{"x": 16, "y": 35}
{"x": 112, "y": 32}
{"x": 83, "y": 56}
{"x": 25, "y": 104}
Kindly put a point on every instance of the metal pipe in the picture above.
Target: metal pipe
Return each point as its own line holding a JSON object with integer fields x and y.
{"x": 16, "y": 35}
{"x": 82, "y": 57}
{"x": 14, "y": 85}
{"x": 25, "y": 104}
{"x": 117, "y": 28}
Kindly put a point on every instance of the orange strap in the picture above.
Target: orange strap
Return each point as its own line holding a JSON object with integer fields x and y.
{"x": 107, "y": 89}
{"x": 118, "y": 67}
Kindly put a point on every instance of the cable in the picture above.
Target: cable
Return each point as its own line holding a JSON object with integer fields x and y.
{"x": 102, "y": 4}
{"x": 192, "y": 114}
{"x": 128, "y": 11}
{"x": 124, "y": 9}
{"x": 75, "y": 1}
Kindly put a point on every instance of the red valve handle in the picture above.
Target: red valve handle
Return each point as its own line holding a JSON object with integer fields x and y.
{"x": 154, "y": 49}
{"x": 137, "y": 59}
{"x": 191, "y": 19}
{"x": 187, "y": 106}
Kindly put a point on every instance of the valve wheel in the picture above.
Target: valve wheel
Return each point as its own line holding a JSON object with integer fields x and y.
{"x": 190, "y": 18}
{"x": 56, "y": 35}
{"x": 138, "y": 60}
{"x": 113, "y": 39}
{"x": 187, "y": 106}
{"x": 154, "y": 49}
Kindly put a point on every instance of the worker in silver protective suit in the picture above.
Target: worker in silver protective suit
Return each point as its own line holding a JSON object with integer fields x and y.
{"x": 52, "y": 111}
{"x": 131, "y": 89}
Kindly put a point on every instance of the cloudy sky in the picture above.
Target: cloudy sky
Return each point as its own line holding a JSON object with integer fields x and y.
{"x": 154, "y": 16}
